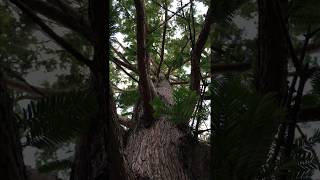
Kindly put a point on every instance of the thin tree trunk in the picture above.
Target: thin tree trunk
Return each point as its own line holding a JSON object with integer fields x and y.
{"x": 99, "y": 154}
{"x": 198, "y": 48}
{"x": 271, "y": 66}
{"x": 11, "y": 159}
{"x": 143, "y": 63}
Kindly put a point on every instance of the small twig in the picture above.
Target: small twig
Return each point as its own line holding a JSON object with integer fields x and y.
{"x": 119, "y": 54}
{"x": 127, "y": 73}
{"x": 156, "y": 28}
{"x": 15, "y": 75}
{"x": 166, "y": 8}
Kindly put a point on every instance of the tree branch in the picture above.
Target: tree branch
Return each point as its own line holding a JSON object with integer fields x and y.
{"x": 163, "y": 39}
{"x": 128, "y": 74}
{"x": 309, "y": 114}
{"x": 156, "y": 28}
{"x": 144, "y": 85}
{"x": 124, "y": 64}
{"x": 35, "y": 91}
{"x": 166, "y": 8}
{"x": 197, "y": 50}
{"x": 59, "y": 40}
{"x": 64, "y": 15}
{"x": 120, "y": 54}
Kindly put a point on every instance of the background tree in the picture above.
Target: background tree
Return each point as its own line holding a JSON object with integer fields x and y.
{"x": 162, "y": 74}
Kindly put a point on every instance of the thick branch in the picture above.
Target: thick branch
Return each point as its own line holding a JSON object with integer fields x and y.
{"x": 30, "y": 89}
{"x": 311, "y": 48}
{"x": 166, "y": 8}
{"x": 163, "y": 39}
{"x": 120, "y": 54}
{"x": 64, "y": 15}
{"x": 127, "y": 73}
{"x": 122, "y": 63}
{"x": 174, "y": 14}
{"x": 59, "y": 40}
{"x": 144, "y": 85}
{"x": 197, "y": 50}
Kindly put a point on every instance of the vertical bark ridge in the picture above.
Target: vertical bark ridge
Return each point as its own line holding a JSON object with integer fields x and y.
{"x": 154, "y": 152}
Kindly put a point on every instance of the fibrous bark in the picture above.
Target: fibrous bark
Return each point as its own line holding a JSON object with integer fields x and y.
{"x": 165, "y": 151}
{"x": 153, "y": 153}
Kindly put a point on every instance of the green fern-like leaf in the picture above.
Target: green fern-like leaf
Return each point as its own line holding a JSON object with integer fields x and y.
{"x": 181, "y": 111}
{"x": 305, "y": 158}
{"x": 223, "y": 10}
{"x": 58, "y": 118}
{"x": 244, "y": 126}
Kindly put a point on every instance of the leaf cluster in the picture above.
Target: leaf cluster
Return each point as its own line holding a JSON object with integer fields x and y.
{"x": 58, "y": 118}
{"x": 243, "y": 127}
{"x": 181, "y": 111}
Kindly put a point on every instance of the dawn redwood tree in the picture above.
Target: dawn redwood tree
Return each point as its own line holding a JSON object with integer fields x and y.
{"x": 152, "y": 145}
{"x": 103, "y": 129}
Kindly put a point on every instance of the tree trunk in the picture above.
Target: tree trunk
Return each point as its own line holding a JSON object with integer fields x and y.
{"x": 11, "y": 159}
{"x": 98, "y": 153}
{"x": 271, "y": 66}
{"x": 165, "y": 151}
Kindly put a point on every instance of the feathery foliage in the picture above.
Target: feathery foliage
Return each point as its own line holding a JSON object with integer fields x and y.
{"x": 58, "y": 118}
{"x": 182, "y": 110}
{"x": 223, "y": 11}
{"x": 306, "y": 161}
{"x": 244, "y": 126}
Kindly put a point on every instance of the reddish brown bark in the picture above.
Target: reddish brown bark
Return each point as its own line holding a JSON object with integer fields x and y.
{"x": 144, "y": 80}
